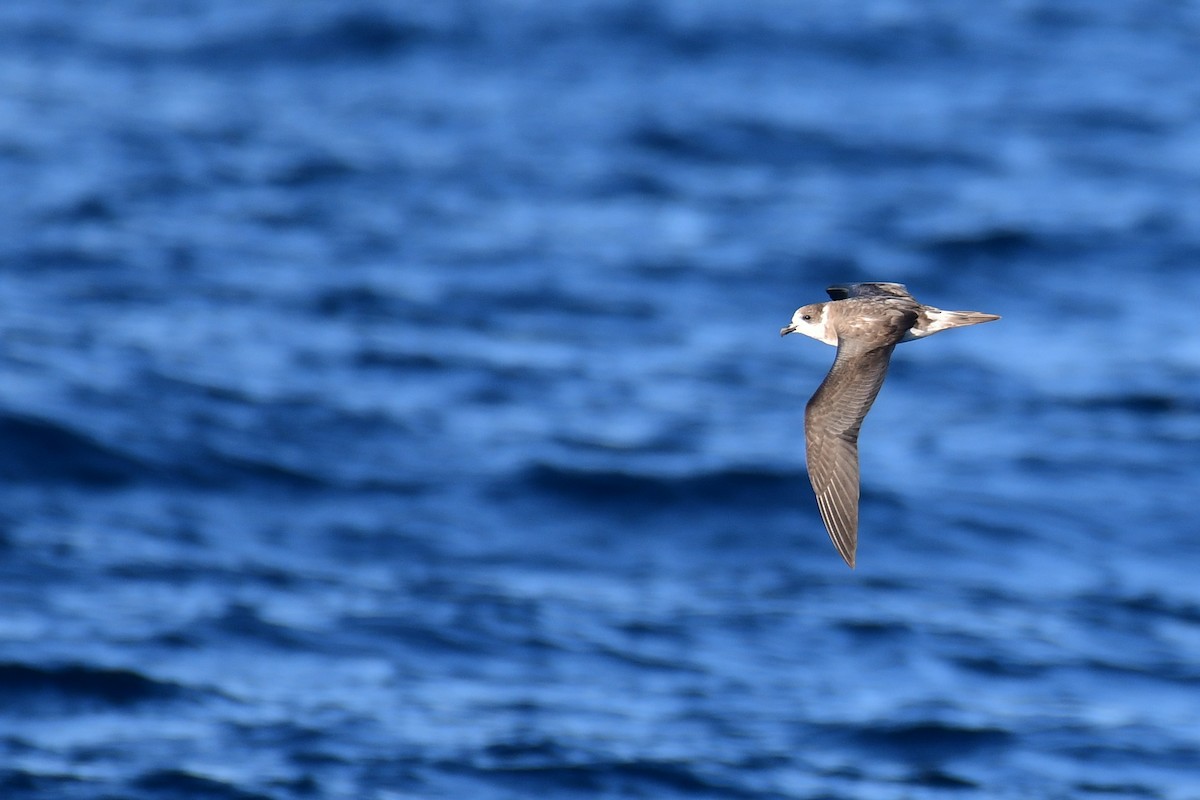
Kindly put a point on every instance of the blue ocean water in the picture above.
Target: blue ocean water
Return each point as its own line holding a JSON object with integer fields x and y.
{"x": 393, "y": 404}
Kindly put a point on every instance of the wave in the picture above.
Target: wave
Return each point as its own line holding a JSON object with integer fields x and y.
{"x": 743, "y": 485}
{"x": 744, "y": 140}
{"x": 750, "y": 489}
{"x": 300, "y": 38}
{"x": 923, "y": 740}
{"x": 47, "y": 452}
{"x": 546, "y": 768}
{"x": 998, "y": 242}
{"x": 80, "y": 684}
{"x": 1139, "y": 403}
{"x": 42, "y": 451}
{"x": 182, "y": 783}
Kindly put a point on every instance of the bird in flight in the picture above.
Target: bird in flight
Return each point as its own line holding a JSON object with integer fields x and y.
{"x": 865, "y": 321}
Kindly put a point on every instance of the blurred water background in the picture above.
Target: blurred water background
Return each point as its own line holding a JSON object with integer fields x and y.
{"x": 392, "y": 403}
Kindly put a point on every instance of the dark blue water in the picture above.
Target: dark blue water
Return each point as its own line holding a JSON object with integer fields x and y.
{"x": 392, "y": 403}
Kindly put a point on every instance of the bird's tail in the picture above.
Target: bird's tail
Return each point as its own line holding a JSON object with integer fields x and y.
{"x": 956, "y": 319}
{"x": 936, "y": 320}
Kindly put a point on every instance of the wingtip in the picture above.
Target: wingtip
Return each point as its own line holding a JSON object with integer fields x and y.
{"x": 848, "y": 550}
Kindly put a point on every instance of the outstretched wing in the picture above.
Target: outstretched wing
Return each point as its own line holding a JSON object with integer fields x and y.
{"x": 832, "y": 420}
{"x": 841, "y": 291}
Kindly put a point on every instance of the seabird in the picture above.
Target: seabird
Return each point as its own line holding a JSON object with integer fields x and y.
{"x": 865, "y": 321}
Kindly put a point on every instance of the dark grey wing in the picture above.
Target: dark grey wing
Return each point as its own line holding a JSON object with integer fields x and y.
{"x": 841, "y": 291}
{"x": 831, "y": 423}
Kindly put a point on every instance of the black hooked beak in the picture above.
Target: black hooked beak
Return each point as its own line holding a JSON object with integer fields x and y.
{"x": 787, "y": 330}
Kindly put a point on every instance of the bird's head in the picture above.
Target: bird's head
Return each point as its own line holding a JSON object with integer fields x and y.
{"x": 811, "y": 321}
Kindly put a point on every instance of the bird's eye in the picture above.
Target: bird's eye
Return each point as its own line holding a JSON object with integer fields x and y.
{"x": 806, "y": 317}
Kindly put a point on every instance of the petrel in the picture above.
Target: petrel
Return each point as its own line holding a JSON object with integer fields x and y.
{"x": 865, "y": 321}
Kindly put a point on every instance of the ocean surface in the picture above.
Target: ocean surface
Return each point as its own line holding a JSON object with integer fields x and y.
{"x": 392, "y": 403}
